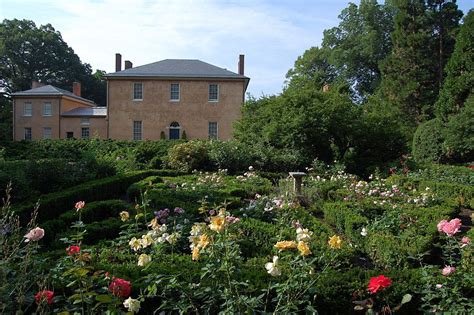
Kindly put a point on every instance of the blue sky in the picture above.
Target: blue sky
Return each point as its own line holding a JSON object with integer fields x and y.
{"x": 271, "y": 34}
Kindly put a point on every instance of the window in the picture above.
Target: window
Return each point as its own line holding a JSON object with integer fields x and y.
{"x": 212, "y": 130}
{"x": 213, "y": 92}
{"x": 174, "y": 92}
{"x": 137, "y": 91}
{"x": 174, "y": 130}
{"x": 47, "y": 109}
{"x": 137, "y": 130}
{"x": 85, "y": 133}
{"x": 85, "y": 121}
{"x": 27, "y": 109}
{"x": 27, "y": 133}
{"x": 47, "y": 133}
{"x": 69, "y": 135}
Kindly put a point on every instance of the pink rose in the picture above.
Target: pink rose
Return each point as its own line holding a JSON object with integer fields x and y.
{"x": 79, "y": 205}
{"x": 447, "y": 270}
{"x": 441, "y": 224}
{"x": 35, "y": 234}
{"x": 452, "y": 227}
{"x": 465, "y": 241}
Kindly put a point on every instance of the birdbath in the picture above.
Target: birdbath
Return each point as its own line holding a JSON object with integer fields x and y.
{"x": 298, "y": 179}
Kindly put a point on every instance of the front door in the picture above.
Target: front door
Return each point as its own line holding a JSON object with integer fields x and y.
{"x": 174, "y": 133}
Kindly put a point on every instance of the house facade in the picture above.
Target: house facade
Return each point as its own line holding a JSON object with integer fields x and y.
{"x": 48, "y": 112}
{"x": 169, "y": 99}
{"x": 174, "y": 98}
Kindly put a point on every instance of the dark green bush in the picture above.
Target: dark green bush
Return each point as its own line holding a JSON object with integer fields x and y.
{"x": 52, "y": 205}
{"x": 459, "y": 134}
{"x": 428, "y": 142}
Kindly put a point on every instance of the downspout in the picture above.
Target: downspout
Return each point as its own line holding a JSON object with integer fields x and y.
{"x": 59, "y": 118}
{"x": 107, "y": 117}
{"x": 14, "y": 119}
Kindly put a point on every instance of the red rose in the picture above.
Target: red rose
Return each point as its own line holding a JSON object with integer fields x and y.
{"x": 377, "y": 283}
{"x": 120, "y": 287}
{"x": 44, "y": 295}
{"x": 73, "y": 249}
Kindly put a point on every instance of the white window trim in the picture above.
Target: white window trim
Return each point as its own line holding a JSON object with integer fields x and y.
{"x": 133, "y": 92}
{"x": 24, "y": 133}
{"x": 217, "y": 131}
{"x": 179, "y": 93}
{"x": 24, "y": 109}
{"x": 209, "y": 94}
{"x": 44, "y": 107}
{"x": 50, "y": 134}
{"x": 141, "y": 130}
{"x": 88, "y": 134}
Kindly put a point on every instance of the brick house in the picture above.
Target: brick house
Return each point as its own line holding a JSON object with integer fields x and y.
{"x": 172, "y": 97}
{"x": 166, "y": 99}
{"x": 48, "y": 112}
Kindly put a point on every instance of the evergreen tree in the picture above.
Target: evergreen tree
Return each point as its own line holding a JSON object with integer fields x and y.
{"x": 422, "y": 42}
{"x": 408, "y": 81}
{"x": 459, "y": 82}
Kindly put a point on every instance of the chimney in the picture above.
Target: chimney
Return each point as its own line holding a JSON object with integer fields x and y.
{"x": 241, "y": 64}
{"x": 128, "y": 64}
{"x": 326, "y": 88}
{"x": 35, "y": 84}
{"x": 76, "y": 88}
{"x": 118, "y": 62}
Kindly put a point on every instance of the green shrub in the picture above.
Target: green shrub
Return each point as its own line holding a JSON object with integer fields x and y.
{"x": 188, "y": 156}
{"x": 459, "y": 134}
{"x": 52, "y": 205}
{"x": 428, "y": 142}
{"x": 231, "y": 155}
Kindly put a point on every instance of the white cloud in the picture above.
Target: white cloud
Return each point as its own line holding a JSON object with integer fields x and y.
{"x": 272, "y": 34}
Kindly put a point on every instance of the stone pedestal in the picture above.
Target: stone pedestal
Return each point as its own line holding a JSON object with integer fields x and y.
{"x": 297, "y": 181}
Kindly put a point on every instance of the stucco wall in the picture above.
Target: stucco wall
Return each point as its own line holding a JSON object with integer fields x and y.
{"x": 97, "y": 127}
{"x": 37, "y": 121}
{"x": 193, "y": 111}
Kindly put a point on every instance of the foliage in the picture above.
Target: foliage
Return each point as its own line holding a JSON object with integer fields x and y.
{"x": 428, "y": 142}
{"x": 359, "y": 43}
{"x": 60, "y": 202}
{"x": 39, "y": 53}
{"x": 460, "y": 72}
{"x": 411, "y": 77}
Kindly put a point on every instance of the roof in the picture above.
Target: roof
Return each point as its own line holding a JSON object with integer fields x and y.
{"x": 188, "y": 68}
{"x": 86, "y": 112}
{"x": 48, "y": 90}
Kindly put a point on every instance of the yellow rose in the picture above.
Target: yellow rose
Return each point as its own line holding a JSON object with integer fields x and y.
{"x": 124, "y": 216}
{"x": 303, "y": 248}
{"x": 143, "y": 260}
{"x": 135, "y": 244}
{"x": 282, "y": 245}
{"x": 203, "y": 241}
{"x": 335, "y": 242}
{"x": 217, "y": 224}
{"x": 154, "y": 224}
{"x": 195, "y": 255}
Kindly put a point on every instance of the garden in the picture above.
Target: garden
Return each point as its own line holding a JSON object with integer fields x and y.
{"x": 186, "y": 235}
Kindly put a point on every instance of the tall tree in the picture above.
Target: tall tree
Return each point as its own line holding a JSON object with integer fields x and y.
{"x": 358, "y": 44}
{"x": 312, "y": 70}
{"x": 410, "y": 75}
{"x": 28, "y": 52}
{"x": 459, "y": 82}
{"x": 443, "y": 17}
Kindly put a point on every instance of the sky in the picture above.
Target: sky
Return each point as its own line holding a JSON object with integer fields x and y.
{"x": 271, "y": 34}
